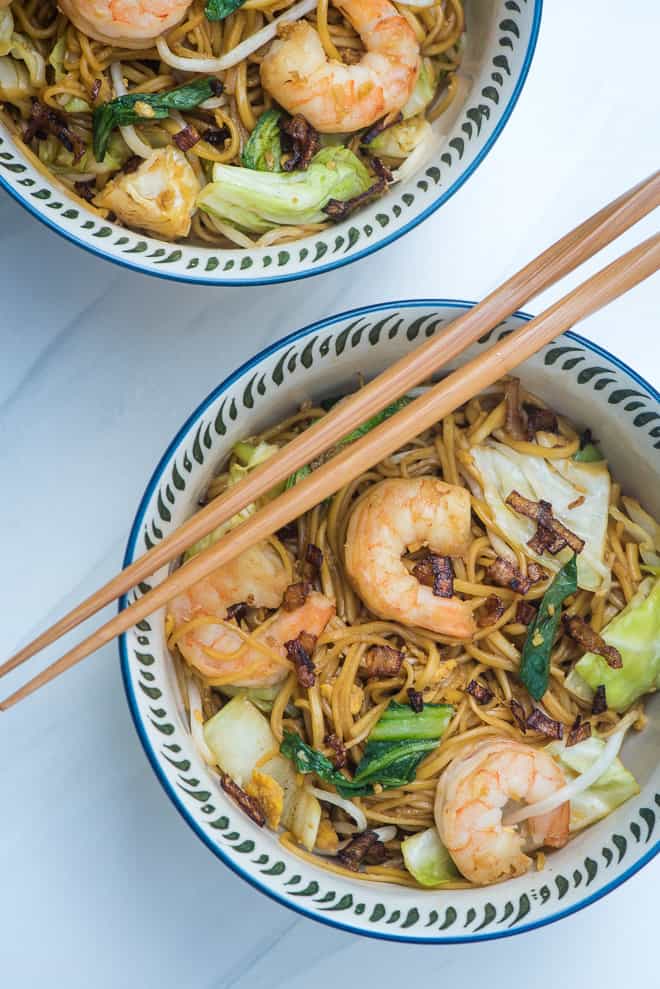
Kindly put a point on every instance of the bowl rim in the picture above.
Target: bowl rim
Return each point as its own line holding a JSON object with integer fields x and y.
{"x": 136, "y": 528}
{"x": 275, "y": 279}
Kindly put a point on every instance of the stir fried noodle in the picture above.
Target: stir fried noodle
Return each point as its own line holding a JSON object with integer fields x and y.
{"x": 209, "y": 74}
{"x": 357, "y": 620}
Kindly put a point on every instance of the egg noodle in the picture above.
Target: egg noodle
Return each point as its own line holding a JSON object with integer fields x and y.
{"x": 346, "y": 703}
{"x": 85, "y": 81}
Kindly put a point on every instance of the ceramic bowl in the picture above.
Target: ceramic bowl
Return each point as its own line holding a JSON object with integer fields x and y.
{"x": 590, "y": 386}
{"x": 500, "y": 43}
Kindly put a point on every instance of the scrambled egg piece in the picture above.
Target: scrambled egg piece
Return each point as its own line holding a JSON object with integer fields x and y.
{"x": 159, "y": 196}
{"x": 355, "y": 699}
{"x": 270, "y": 795}
{"x": 326, "y": 838}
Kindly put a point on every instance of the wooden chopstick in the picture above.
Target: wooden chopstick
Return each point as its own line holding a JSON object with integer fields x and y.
{"x": 443, "y": 398}
{"x": 558, "y": 260}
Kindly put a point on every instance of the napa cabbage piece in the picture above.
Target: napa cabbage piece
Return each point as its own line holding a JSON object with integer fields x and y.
{"x": 248, "y": 456}
{"x": 6, "y": 30}
{"x": 610, "y": 790}
{"x": 60, "y": 161}
{"x": 635, "y": 632}
{"x": 424, "y": 91}
{"x": 427, "y": 859}
{"x": 159, "y": 196}
{"x": 16, "y": 82}
{"x": 563, "y": 483}
{"x": 262, "y": 697}
{"x": 400, "y": 140}
{"x": 259, "y": 201}
{"x": 263, "y": 148}
{"x": 240, "y": 736}
{"x": 56, "y": 58}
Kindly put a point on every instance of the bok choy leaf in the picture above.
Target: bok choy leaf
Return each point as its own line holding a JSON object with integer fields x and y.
{"x": 397, "y": 744}
{"x": 535, "y": 659}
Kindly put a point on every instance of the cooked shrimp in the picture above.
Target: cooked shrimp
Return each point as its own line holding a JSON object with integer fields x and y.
{"x": 392, "y": 516}
{"x": 124, "y": 23}
{"x": 470, "y": 799}
{"x": 259, "y": 577}
{"x": 335, "y": 97}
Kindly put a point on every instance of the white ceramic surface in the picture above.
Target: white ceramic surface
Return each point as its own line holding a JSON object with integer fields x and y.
{"x": 499, "y": 46}
{"x": 86, "y": 409}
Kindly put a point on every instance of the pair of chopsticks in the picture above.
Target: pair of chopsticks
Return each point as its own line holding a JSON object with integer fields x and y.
{"x": 453, "y": 391}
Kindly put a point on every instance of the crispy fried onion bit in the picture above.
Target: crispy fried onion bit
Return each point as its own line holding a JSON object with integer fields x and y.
{"x": 383, "y": 661}
{"x": 249, "y": 804}
{"x": 187, "y": 138}
{"x": 519, "y": 715}
{"x": 582, "y": 633}
{"x": 416, "y": 700}
{"x": 540, "y": 421}
{"x": 506, "y": 574}
{"x": 295, "y": 595}
{"x": 338, "y": 209}
{"x": 491, "y": 612}
{"x": 480, "y": 692}
{"x": 367, "y": 847}
{"x": 436, "y": 572}
{"x": 540, "y": 721}
{"x": 237, "y": 612}
{"x": 300, "y": 141}
{"x": 300, "y": 652}
{"x": 580, "y": 730}
{"x": 339, "y": 757}
{"x": 551, "y": 536}
{"x": 514, "y": 423}
{"x": 45, "y": 120}
{"x": 599, "y": 703}
{"x": 525, "y": 612}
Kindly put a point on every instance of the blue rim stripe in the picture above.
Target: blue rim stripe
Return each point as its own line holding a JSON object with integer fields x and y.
{"x": 339, "y": 262}
{"x": 123, "y": 649}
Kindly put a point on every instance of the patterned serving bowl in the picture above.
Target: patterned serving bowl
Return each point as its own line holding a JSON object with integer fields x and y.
{"x": 590, "y": 386}
{"x": 500, "y": 43}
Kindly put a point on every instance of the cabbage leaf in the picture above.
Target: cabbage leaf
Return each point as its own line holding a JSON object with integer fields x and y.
{"x": 563, "y": 483}
{"x": 258, "y": 201}
{"x": 635, "y": 632}
{"x": 427, "y": 859}
{"x": 610, "y": 790}
{"x": 250, "y": 456}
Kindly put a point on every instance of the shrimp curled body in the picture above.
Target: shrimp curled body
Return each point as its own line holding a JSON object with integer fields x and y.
{"x": 470, "y": 799}
{"x": 335, "y": 97}
{"x": 393, "y": 515}
{"x": 217, "y": 649}
{"x": 125, "y": 23}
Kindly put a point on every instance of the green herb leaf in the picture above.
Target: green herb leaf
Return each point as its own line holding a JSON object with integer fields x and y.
{"x": 589, "y": 454}
{"x": 217, "y": 10}
{"x": 395, "y": 747}
{"x": 376, "y": 420}
{"x": 263, "y": 150}
{"x": 122, "y": 111}
{"x": 298, "y": 475}
{"x": 358, "y": 432}
{"x": 535, "y": 660}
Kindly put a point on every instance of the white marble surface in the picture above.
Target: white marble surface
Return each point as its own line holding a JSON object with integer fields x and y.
{"x": 103, "y": 885}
